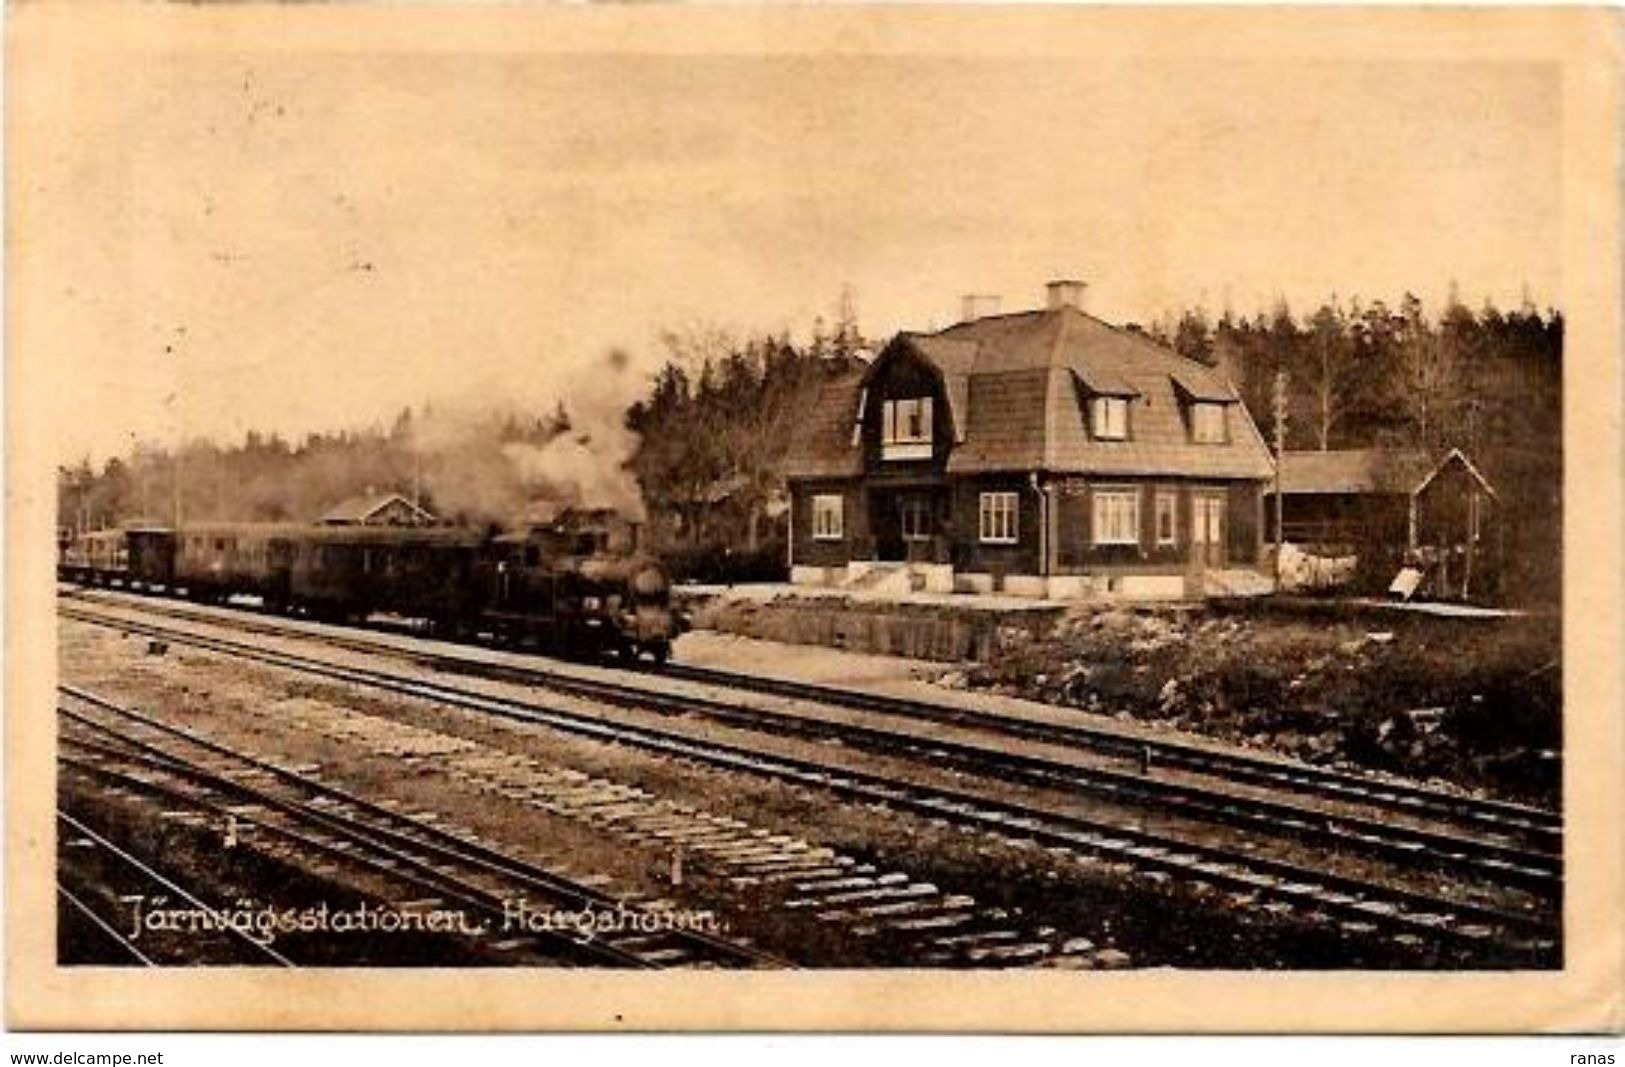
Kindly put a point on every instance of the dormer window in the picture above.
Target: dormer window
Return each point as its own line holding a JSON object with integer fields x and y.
{"x": 906, "y": 429}
{"x": 1208, "y": 423}
{"x": 1108, "y": 418}
{"x": 1205, "y": 402}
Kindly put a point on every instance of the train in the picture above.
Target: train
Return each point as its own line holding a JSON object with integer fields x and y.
{"x": 564, "y": 587}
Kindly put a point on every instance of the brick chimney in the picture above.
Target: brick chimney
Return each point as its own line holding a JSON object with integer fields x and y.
{"x": 1065, "y": 292}
{"x": 973, "y": 306}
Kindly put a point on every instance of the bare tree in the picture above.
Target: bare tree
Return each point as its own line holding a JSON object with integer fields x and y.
{"x": 1332, "y": 374}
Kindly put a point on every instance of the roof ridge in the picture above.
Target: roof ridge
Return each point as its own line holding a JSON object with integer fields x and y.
{"x": 990, "y": 318}
{"x": 1146, "y": 341}
{"x": 1374, "y": 449}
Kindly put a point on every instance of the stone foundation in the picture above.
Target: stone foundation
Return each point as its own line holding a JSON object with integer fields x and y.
{"x": 898, "y": 578}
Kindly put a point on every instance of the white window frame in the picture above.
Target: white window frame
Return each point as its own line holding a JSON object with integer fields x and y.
{"x": 906, "y": 428}
{"x": 1215, "y": 432}
{"x": 1126, "y": 497}
{"x": 1167, "y": 504}
{"x": 828, "y": 517}
{"x": 998, "y": 518}
{"x": 1102, "y": 425}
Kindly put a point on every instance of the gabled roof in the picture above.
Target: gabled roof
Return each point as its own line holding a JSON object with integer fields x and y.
{"x": 1369, "y": 470}
{"x": 826, "y": 445}
{"x": 362, "y": 508}
{"x": 954, "y": 359}
{"x": 1018, "y": 388}
{"x": 1203, "y": 387}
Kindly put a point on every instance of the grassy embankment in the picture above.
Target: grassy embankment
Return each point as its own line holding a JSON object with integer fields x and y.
{"x": 1472, "y": 701}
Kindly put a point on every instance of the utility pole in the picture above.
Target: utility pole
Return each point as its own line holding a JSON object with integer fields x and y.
{"x": 417, "y": 472}
{"x": 1280, "y": 461}
{"x": 412, "y": 430}
{"x": 175, "y": 486}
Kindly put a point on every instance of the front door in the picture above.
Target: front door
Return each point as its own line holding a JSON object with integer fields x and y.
{"x": 916, "y": 524}
{"x": 905, "y": 525}
{"x": 887, "y": 525}
{"x": 1207, "y": 529}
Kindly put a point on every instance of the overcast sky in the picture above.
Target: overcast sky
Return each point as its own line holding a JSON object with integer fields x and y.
{"x": 305, "y": 241}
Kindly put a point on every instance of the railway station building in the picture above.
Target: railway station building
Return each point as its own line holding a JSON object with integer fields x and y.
{"x": 1042, "y": 453}
{"x": 377, "y": 509}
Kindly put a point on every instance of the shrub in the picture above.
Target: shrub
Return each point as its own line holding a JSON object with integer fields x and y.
{"x": 719, "y": 564}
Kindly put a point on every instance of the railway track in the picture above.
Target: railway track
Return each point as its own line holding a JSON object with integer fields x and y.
{"x": 1398, "y": 910}
{"x": 885, "y": 915}
{"x": 120, "y": 876}
{"x": 325, "y": 827}
{"x": 1509, "y": 857}
{"x": 1540, "y": 828}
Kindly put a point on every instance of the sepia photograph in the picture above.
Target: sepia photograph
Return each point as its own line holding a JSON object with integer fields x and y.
{"x": 1053, "y": 497}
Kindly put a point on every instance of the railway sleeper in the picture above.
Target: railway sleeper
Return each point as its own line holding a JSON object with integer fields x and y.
{"x": 919, "y": 889}
{"x": 834, "y": 884}
{"x": 744, "y": 853}
{"x": 775, "y": 859}
{"x": 713, "y": 839}
{"x": 1008, "y": 952}
{"x": 905, "y": 908}
{"x": 977, "y": 938}
{"x": 787, "y": 874}
{"x": 945, "y": 921}
{"x": 665, "y": 957}
{"x": 819, "y": 900}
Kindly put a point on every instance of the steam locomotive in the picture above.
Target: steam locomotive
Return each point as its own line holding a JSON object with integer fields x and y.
{"x": 565, "y": 587}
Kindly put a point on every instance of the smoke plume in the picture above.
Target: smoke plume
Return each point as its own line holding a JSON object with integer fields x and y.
{"x": 500, "y": 466}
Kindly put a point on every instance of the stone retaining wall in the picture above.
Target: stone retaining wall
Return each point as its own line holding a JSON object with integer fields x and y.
{"x": 947, "y": 634}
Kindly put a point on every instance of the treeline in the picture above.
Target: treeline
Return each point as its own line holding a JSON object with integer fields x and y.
{"x": 268, "y": 479}
{"x": 713, "y": 435}
{"x": 1370, "y": 374}
{"x": 1360, "y": 375}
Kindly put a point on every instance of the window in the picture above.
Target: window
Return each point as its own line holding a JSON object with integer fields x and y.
{"x": 997, "y": 518}
{"x": 827, "y": 517}
{"x": 1167, "y": 518}
{"x": 915, "y": 513}
{"x": 1207, "y": 423}
{"x": 1117, "y": 517}
{"x": 1109, "y": 417}
{"x": 906, "y": 429}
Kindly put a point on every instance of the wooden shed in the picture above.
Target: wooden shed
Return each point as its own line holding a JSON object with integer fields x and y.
{"x": 1393, "y": 507}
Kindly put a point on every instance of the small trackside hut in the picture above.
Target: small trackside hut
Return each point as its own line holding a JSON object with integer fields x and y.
{"x": 1042, "y": 453}
{"x": 1392, "y": 508}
